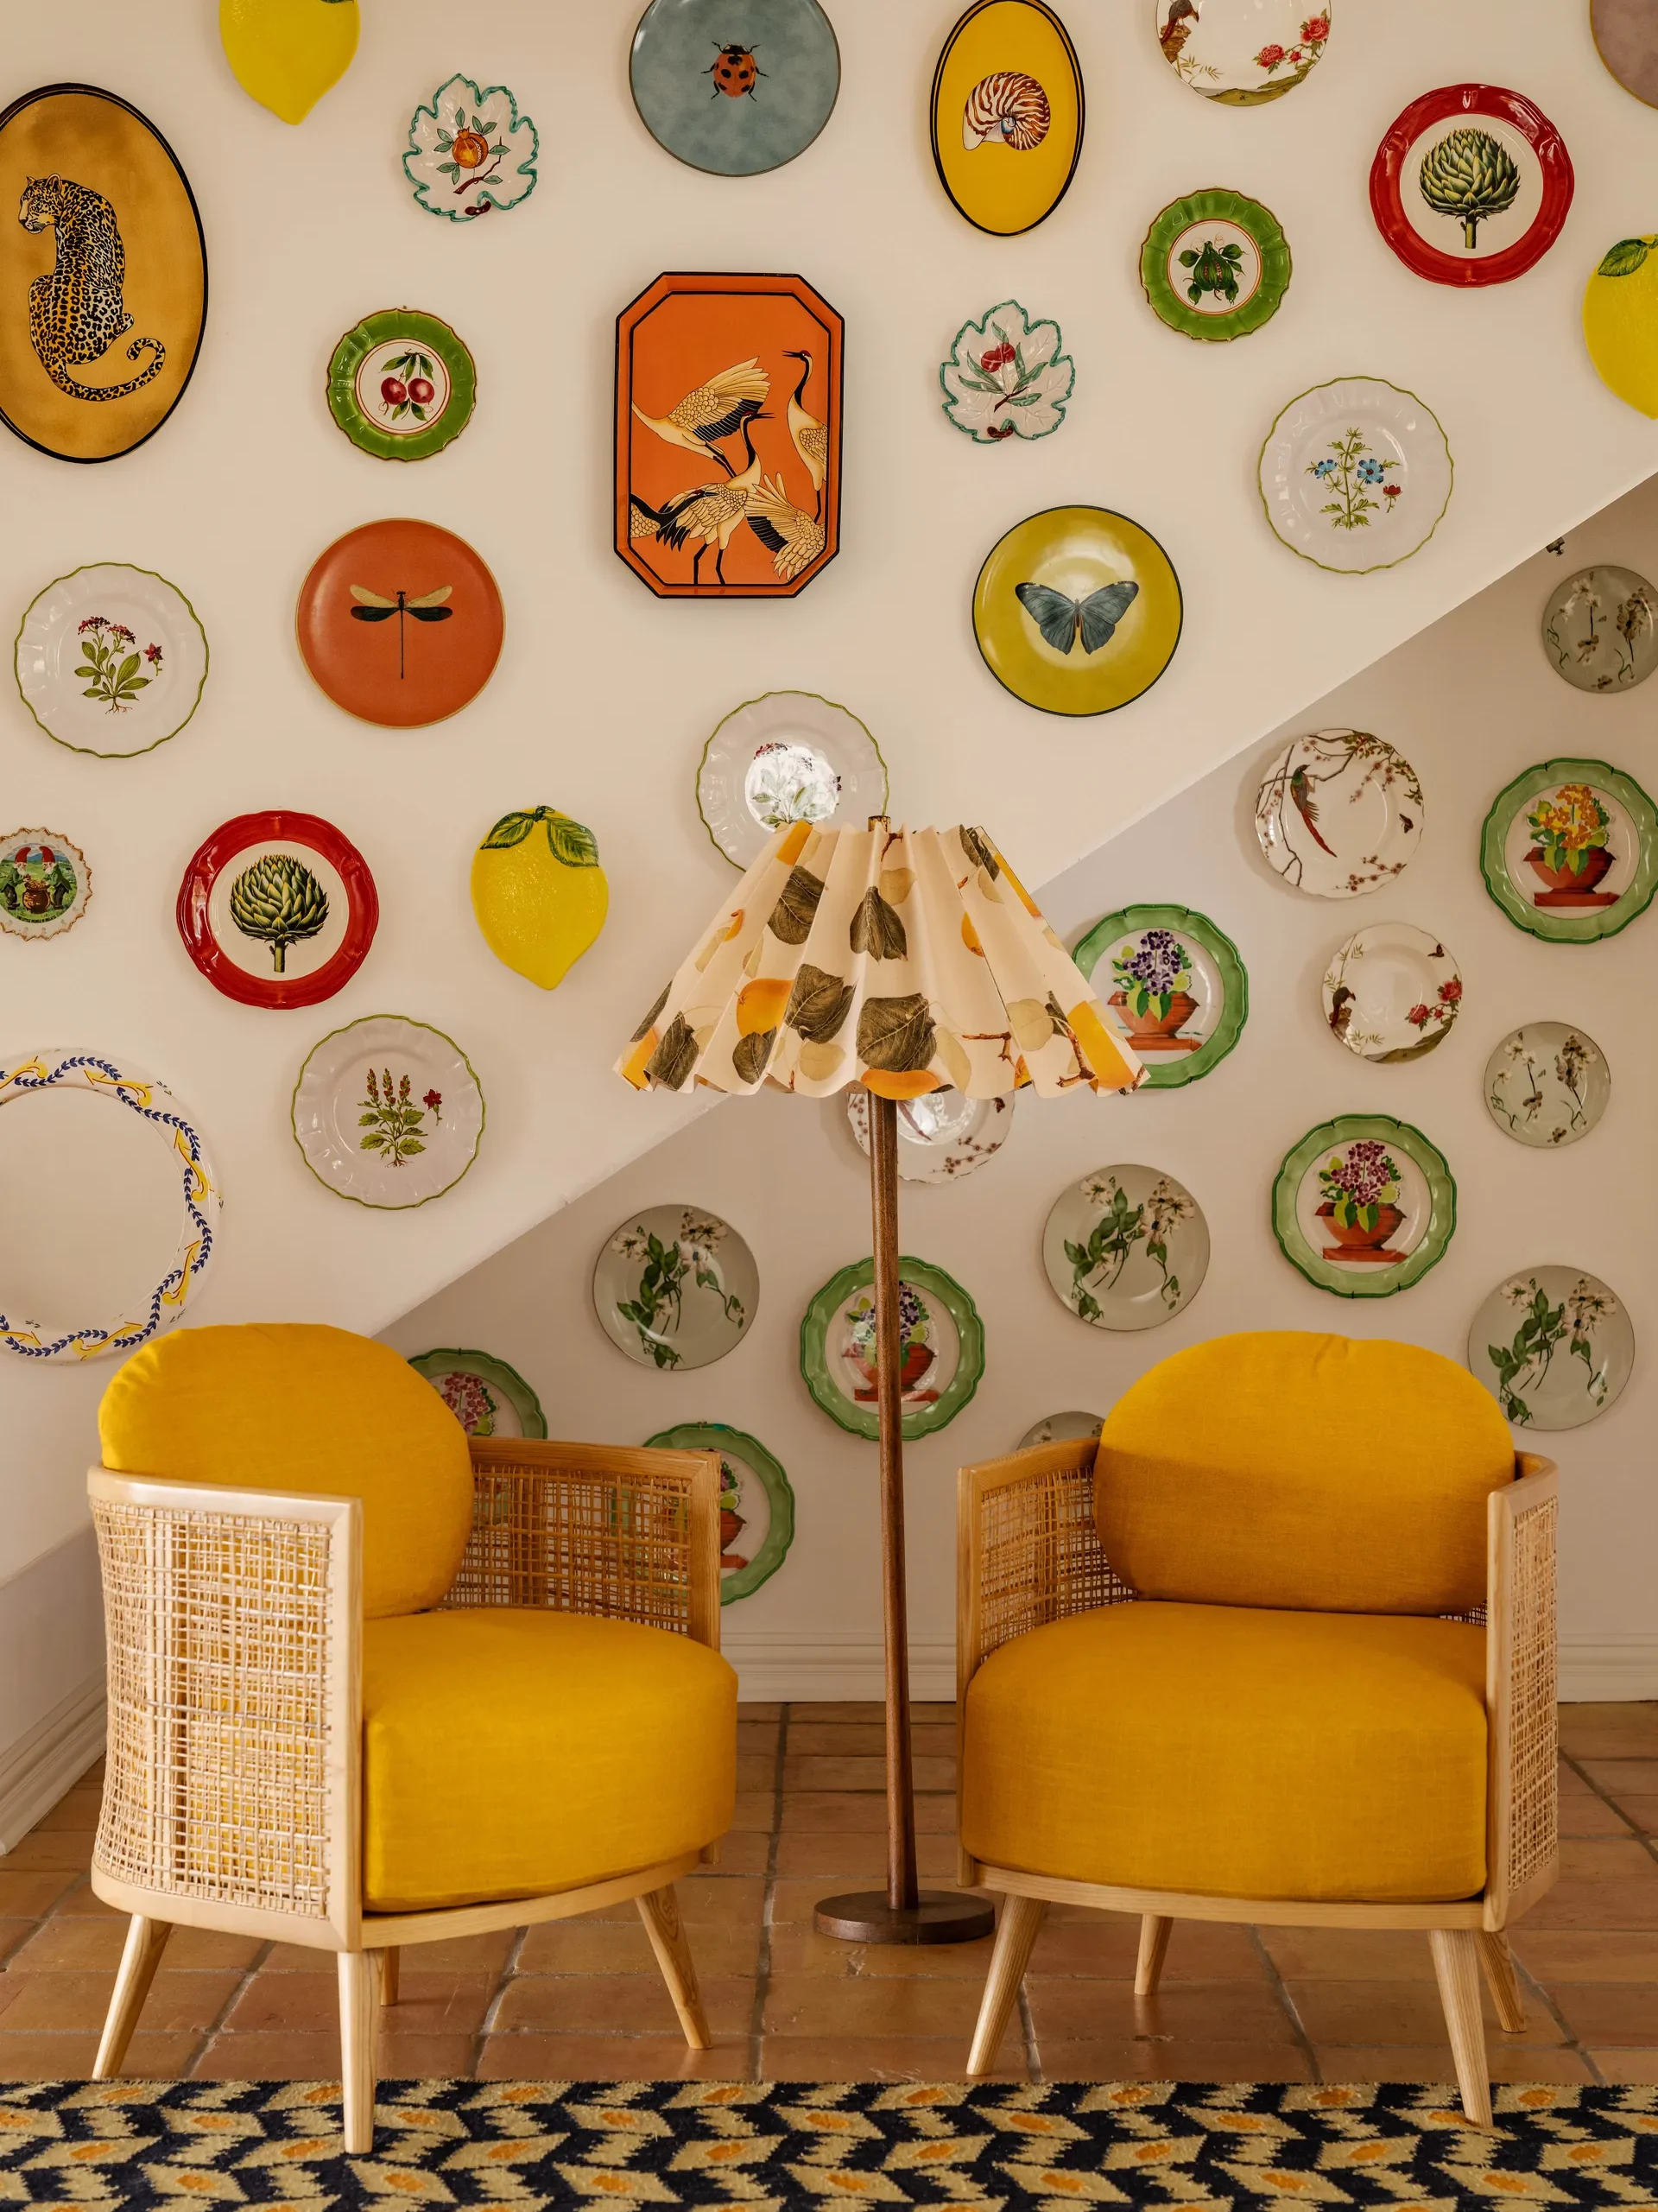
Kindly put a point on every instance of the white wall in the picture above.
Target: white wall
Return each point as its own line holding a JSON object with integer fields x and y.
{"x": 1472, "y": 703}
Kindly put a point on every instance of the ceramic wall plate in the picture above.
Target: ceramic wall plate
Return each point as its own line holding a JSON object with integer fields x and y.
{"x": 735, "y": 86}
{"x": 1471, "y": 185}
{"x": 1620, "y": 321}
{"x": 1338, "y": 812}
{"x": 942, "y": 1342}
{"x": 538, "y": 894}
{"x": 1624, "y": 38}
{"x": 676, "y": 1287}
{"x": 1363, "y": 1205}
{"x": 1391, "y": 993}
{"x": 1007, "y": 377}
{"x": 1061, "y": 1429}
{"x": 277, "y": 910}
{"x": 757, "y": 1506}
{"x": 469, "y": 151}
{"x": 45, "y": 883}
{"x": 728, "y": 436}
{"x": 1077, "y": 610}
{"x": 1600, "y": 629}
{"x": 1126, "y": 1248}
{"x": 400, "y": 623}
{"x": 111, "y": 660}
{"x": 287, "y": 57}
{"x": 1178, "y": 988}
{"x": 786, "y": 757}
{"x": 487, "y": 1397}
{"x": 1553, "y": 1347}
{"x": 401, "y": 385}
{"x": 1242, "y": 52}
{"x": 178, "y": 1271}
{"x": 1007, "y": 115}
{"x": 105, "y": 269}
{"x": 1355, "y": 475}
{"x": 388, "y": 1111}
{"x": 941, "y": 1137}
{"x": 1215, "y": 265}
{"x": 1569, "y": 851}
{"x": 1547, "y": 1084}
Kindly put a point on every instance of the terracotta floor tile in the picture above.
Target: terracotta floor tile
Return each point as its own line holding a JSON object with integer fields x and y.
{"x": 866, "y": 1740}
{"x": 796, "y": 1949}
{"x": 50, "y": 1850}
{"x": 854, "y": 1861}
{"x": 745, "y": 1854}
{"x": 611, "y": 1947}
{"x": 1588, "y": 1814}
{"x": 84, "y": 1942}
{"x": 1639, "y": 2066}
{"x": 80, "y": 2001}
{"x": 1609, "y": 1731}
{"x": 1642, "y": 1812}
{"x": 1129, "y": 2060}
{"x": 1380, "y": 2012}
{"x": 612, "y": 2058}
{"x": 42, "y": 2057}
{"x": 876, "y": 2058}
{"x": 1403, "y": 2062}
{"x": 840, "y": 1713}
{"x": 745, "y": 1712}
{"x": 1624, "y": 1777}
{"x": 589, "y": 2004}
{"x": 755, "y": 1813}
{"x": 821, "y": 2005}
{"x": 848, "y": 1812}
{"x": 1105, "y": 1947}
{"x": 14, "y": 1934}
{"x": 1350, "y": 1954}
{"x": 757, "y": 1771}
{"x": 428, "y": 2003}
{"x": 1597, "y": 2011}
{"x": 808, "y": 1771}
{"x": 81, "y": 1901}
{"x": 1585, "y": 1954}
{"x": 486, "y": 1953}
{"x": 756, "y": 1737}
{"x": 79, "y": 1812}
{"x": 27, "y": 1896}
{"x": 1610, "y": 1884}
{"x": 271, "y": 2055}
{"x": 1067, "y": 2009}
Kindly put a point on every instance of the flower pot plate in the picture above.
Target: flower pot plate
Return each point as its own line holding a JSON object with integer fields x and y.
{"x": 1565, "y": 905}
{"x": 1007, "y": 115}
{"x": 757, "y": 1504}
{"x": 487, "y": 1397}
{"x": 1243, "y": 53}
{"x": 1355, "y": 474}
{"x": 1207, "y": 1015}
{"x": 1391, "y": 993}
{"x": 1600, "y": 629}
{"x": 401, "y": 385}
{"x": 1215, "y": 265}
{"x": 1548, "y": 1085}
{"x": 111, "y": 660}
{"x": 45, "y": 885}
{"x": 1471, "y": 185}
{"x": 388, "y": 1111}
{"x": 734, "y": 87}
{"x": 1126, "y": 1248}
{"x": 1338, "y": 814}
{"x": 277, "y": 910}
{"x": 787, "y": 757}
{"x": 1554, "y": 1346}
{"x": 675, "y": 1286}
{"x": 938, "y": 1320}
{"x": 1077, "y": 610}
{"x": 942, "y": 1135}
{"x": 1415, "y": 1205}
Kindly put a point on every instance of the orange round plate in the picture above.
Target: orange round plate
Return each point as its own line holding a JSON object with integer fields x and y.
{"x": 400, "y": 623}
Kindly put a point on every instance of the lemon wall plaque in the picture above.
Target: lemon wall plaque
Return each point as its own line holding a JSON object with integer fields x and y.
{"x": 539, "y": 893}
{"x": 1620, "y": 321}
{"x": 1006, "y": 114}
{"x": 287, "y": 53}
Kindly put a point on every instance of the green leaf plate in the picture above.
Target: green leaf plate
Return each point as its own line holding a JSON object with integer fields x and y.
{"x": 754, "y": 1492}
{"x": 401, "y": 385}
{"x": 473, "y": 1384}
{"x": 1212, "y": 1006}
{"x": 1367, "y": 1258}
{"x": 835, "y": 1348}
{"x": 1227, "y": 249}
{"x": 1565, "y": 905}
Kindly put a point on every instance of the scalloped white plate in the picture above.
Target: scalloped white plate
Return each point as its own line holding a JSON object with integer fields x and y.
{"x": 336, "y": 1115}
{"x": 787, "y": 755}
{"x": 52, "y": 651}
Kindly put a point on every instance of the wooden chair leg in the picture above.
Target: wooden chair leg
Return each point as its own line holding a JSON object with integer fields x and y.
{"x": 145, "y": 1940}
{"x": 1015, "y": 1934}
{"x": 356, "y": 2025}
{"x": 660, "y": 1910}
{"x": 391, "y": 1961}
{"x": 1154, "y": 1930}
{"x": 1504, "y": 1983}
{"x": 1456, "y": 1965}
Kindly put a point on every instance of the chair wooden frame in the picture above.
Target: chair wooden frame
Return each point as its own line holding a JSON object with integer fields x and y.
{"x": 1028, "y": 1553}
{"x": 232, "y": 1797}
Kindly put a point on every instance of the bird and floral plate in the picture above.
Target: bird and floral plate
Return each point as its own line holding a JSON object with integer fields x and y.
{"x": 941, "y": 1340}
{"x": 1126, "y": 1248}
{"x": 734, "y": 87}
{"x": 1471, "y": 185}
{"x": 111, "y": 660}
{"x": 675, "y": 1286}
{"x": 1215, "y": 265}
{"x": 1077, "y": 610}
{"x": 1061, "y": 1429}
{"x": 469, "y": 151}
{"x": 277, "y": 910}
{"x": 400, "y": 623}
{"x": 1391, "y": 993}
{"x": 1554, "y": 1346}
{"x": 401, "y": 385}
{"x": 1363, "y": 1205}
{"x": 388, "y": 1111}
{"x": 1355, "y": 475}
{"x": 787, "y": 757}
{"x": 757, "y": 1504}
{"x": 487, "y": 1397}
{"x": 1338, "y": 812}
{"x": 1007, "y": 377}
{"x": 45, "y": 883}
{"x": 1180, "y": 990}
{"x": 1243, "y": 52}
{"x": 942, "y": 1135}
{"x": 1600, "y": 629}
{"x": 1569, "y": 851}
{"x": 1548, "y": 1085}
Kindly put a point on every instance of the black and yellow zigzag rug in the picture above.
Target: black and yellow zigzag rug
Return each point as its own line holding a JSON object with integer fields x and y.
{"x": 513, "y": 2146}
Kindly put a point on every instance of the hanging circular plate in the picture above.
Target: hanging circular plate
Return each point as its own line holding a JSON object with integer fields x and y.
{"x": 757, "y": 1506}
{"x": 1569, "y": 851}
{"x": 1061, "y": 1429}
{"x": 45, "y": 883}
{"x": 1363, "y": 1205}
{"x": 400, "y": 623}
{"x": 1180, "y": 989}
{"x": 1620, "y": 321}
{"x": 734, "y": 87}
{"x": 1355, "y": 475}
{"x": 1126, "y": 1248}
{"x": 675, "y": 1286}
{"x": 487, "y": 1397}
{"x": 1242, "y": 52}
{"x": 1600, "y": 629}
{"x": 277, "y": 910}
{"x": 388, "y": 1111}
{"x": 401, "y": 385}
{"x": 1007, "y": 115}
{"x": 1471, "y": 185}
{"x": 469, "y": 151}
{"x": 1553, "y": 1345}
{"x": 1215, "y": 265}
{"x": 1077, "y": 610}
{"x": 1391, "y": 993}
{"x": 1548, "y": 1085}
{"x": 942, "y": 1135}
{"x": 942, "y": 1341}
{"x": 787, "y": 755}
{"x": 111, "y": 660}
{"x": 1338, "y": 812}
{"x": 1623, "y": 36}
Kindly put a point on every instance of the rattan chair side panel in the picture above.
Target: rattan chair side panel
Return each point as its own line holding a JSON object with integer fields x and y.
{"x": 1521, "y": 1691}
{"x": 1039, "y": 1554}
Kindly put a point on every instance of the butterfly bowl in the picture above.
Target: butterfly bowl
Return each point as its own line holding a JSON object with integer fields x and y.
{"x": 1077, "y": 610}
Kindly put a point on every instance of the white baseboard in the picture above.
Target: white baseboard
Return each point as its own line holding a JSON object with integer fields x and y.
{"x": 36, "y": 1769}
{"x": 775, "y": 1669}
{"x": 1608, "y": 1669}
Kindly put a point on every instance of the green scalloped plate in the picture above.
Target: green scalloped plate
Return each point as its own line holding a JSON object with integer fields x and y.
{"x": 744, "y": 1564}
{"x": 1178, "y": 1052}
{"x": 1394, "y": 1253}
{"x": 835, "y": 1334}
{"x": 1205, "y": 244}
{"x": 399, "y": 349}
{"x": 450, "y": 1370}
{"x": 1601, "y": 900}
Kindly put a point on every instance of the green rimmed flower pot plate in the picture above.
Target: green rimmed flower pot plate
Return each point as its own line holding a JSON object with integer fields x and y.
{"x": 1364, "y": 1205}
{"x": 1569, "y": 851}
{"x": 757, "y": 1506}
{"x": 487, "y": 1397}
{"x": 943, "y": 1347}
{"x": 1215, "y": 265}
{"x": 1180, "y": 988}
{"x": 401, "y": 385}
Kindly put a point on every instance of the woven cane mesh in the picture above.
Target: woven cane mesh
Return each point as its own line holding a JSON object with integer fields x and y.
{"x": 579, "y": 1540}
{"x": 1040, "y": 1557}
{"x": 1533, "y": 1720}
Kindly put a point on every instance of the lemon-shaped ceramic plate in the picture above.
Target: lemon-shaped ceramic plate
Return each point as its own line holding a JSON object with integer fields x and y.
{"x": 539, "y": 893}
{"x": 1007, "y": 115}
{"x": 287, "y": 53}
{"x": 1620, "y": 321}
{"x": 1077, "y": 610}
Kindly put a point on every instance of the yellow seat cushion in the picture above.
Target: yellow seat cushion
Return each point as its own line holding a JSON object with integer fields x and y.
{"x": 293, "y": 1406}
{"x": 1233, "y": 1752}
{"x": 509, "y": 1753}
{"x": 1282, "y": 1468}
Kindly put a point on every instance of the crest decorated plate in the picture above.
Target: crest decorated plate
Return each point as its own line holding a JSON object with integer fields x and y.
{"x": 756, "y": 1504}
{"x": 675, "y": 1286}
{"x": 734, "y": 87}
{"x": 400, "y": 623}
{"x": 388, "y": 1111}
{"x": 1547, "y": 1084}
{"x": 1061, "y": 1429}
{"x": 942, "y": 1341}
{"x": 1600, "y": 629}
{"x": 1391, "y": 993}
{"x": 1569, "y": 851}
{"x": 45, "y": 883}
{"x": 942, "y": 1135}
{"x": 1243, "y": 52}
{"x": 401, "y": 385}
{"x": 1355, "y": 475}
{"x": 469, "y": 151}
{"x": 1007, "y": 115}
{"x": 1077, "y": 610}
{"x": 278, "y": 910}
{"x": 1554, "y": 1346}
{"x": 1178, "y": 988}
{"x": 111, "y": 660}
{"x": 1126, "y": 1248}
{"x": 1338, "y": 812}
{"x": 1215, "y": 265}
{"x": 1471, "y": 185}
{"x": 487, "y": 1397}
{"x": 786, "y": 757}
{"x": 1363, "y": 1205}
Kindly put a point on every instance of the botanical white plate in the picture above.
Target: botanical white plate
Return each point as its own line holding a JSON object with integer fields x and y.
{"x": 787, "y": 755}
{"x": 1242, "y": 52}
{"x": 1391, "y": 993}
{"x": 388, "y": 1111}
{"x": 1547, "y": 1084}
{"x": 1127, "y": 1248}
{"x": 471, "y": 151}
{"x": 1553, "y": 1345}
{"x": 1007, "y": 377}
{"x": 45, "y": 883}
{"x": 1061, "y": 1429}
{"x": 111, "y": 660}
{"x": 941, "y": 1137}
{"x": 1338, "y": 813}
{"x": 1355, "y": 475}
{"x": 675, "y": 1286}
{"x": 1600, "y": 629}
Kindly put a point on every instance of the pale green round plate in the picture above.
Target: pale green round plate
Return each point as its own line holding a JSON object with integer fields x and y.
{"x": 943, "y": 1346}
{"x": 757, "y": 1506}
{"x": 1364, "y": 1206}
{"x": 1178, "y": 987}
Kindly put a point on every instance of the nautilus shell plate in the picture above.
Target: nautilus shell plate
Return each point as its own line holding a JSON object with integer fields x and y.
{"x": 1007, "y": 115}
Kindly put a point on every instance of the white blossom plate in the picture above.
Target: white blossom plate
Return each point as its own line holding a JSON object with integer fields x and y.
{"x": 1547, "y": 1084}
{"x": 1006, "y": 376}
{"x": 388, "y": 1111}
{"x": 1391, "y": 993}
{"x": 111, "y": 660}
{"x": 471, "y": 150}
{"x": 787, "y": 755}
{"x": 1242, "y": 52}
{"x": 941, "y": 1137}
{"x": 675, "y": 1286}
{"x": 1553, "y": 1345}
{"x": 1600, "y": 629}
{"x": 1338, "y": 812}
{"x": 487, "y": 1397}
{"x": 1127, "y": 1248}
{"x": 45, "y": 883}
{"x": 1061, "y": 1429}
{"x": 1355, "y": 475}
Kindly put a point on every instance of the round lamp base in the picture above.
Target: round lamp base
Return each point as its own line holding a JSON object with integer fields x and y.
{"x": 936, "y": 1917}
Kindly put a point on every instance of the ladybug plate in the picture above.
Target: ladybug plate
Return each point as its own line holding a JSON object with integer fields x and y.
{"x": 734, "y": 87}
{"x": 278, "y": 910}
{"x": 1471, "y": 184}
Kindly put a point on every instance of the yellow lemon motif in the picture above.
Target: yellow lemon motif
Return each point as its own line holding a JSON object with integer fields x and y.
{"x": 287, "y": 53}
{"x": 539, "y": 893}
{"x": 1620, "y": 321}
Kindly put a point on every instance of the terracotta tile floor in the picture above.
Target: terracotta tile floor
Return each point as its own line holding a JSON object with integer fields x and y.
{"x": 582, "y": 1997}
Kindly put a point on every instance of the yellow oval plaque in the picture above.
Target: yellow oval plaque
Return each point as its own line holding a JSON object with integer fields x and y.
{"x": 102, "y": 276}
{"x": 1006, "y": 114}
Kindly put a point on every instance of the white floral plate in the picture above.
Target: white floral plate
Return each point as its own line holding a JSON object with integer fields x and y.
{"x": 1547, "y": 1084}
{"x": 1242, "y": 52}
{"x": 1355, "y": 475}
{"x": 1338, "y": 812}
{"x": 675, "y": 1286}
{"x": 787, "y": 755}
{"x": 941, "y": 1137}
{"x": 388, "y": 1111}
{"x": 1554, "y": 1346}
{"x": 111, "y": 660}
{"x": 1006, "y": 376}
{"x": 1127, "y": 1248}
{"x": 1600, "y": 629}
{"x": 1391, "y": 993}
{"x": 469, "y": 151}
{"x": 1061, "y": 1429}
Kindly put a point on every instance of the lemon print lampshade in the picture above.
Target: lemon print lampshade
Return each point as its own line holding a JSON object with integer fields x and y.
{"x": 287, "y": 53}
{"x": 539, "y": 893}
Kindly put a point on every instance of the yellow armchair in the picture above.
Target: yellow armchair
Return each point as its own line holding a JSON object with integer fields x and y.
{"x": 371, "y": 1687}
{"x": 1281, "y": 1650}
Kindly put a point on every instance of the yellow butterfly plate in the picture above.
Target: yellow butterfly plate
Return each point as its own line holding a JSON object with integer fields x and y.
{"x": 1007, "y": 115}
{"x": 1077, "y": 610}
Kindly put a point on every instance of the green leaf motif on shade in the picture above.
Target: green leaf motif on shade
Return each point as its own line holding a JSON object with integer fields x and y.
{"x": 817, "y": 1005}
{"x": 1625, "y": 258}
{"x": 568, "y": 841}
{"x": 674, "y": 1057}
{"x": 877, "y": 928}
{"x": 650, "y": 1021}
{"x": 750, "y": 1053}
{"x": 797, "y": 907}
{"x": 980, "y": 851}
{"x": 895, "y": 1035}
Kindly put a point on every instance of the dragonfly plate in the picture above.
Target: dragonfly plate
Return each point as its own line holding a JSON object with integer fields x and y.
{"x": 401, "y": 622}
